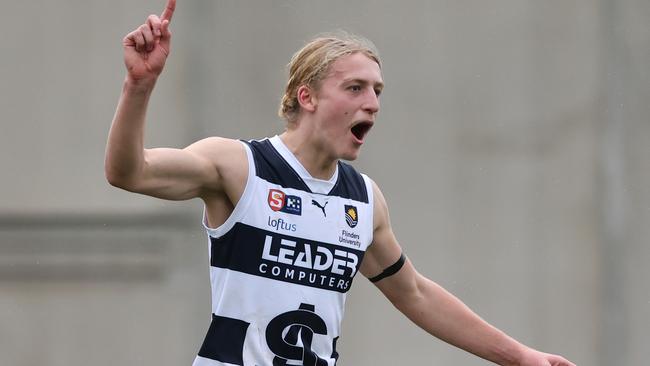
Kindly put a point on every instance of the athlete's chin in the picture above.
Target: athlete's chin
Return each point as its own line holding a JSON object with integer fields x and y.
{"x": 351, "y": 155}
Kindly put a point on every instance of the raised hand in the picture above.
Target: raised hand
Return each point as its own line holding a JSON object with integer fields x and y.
{"x": 147, "y": 47}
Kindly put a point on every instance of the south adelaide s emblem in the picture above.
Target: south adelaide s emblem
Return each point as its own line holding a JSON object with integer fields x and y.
{"x": 290, "y": 336}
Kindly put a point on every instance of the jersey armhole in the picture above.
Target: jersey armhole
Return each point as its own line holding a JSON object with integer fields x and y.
{"x": 241, "y": 206}
{"x": 371, "y": 207}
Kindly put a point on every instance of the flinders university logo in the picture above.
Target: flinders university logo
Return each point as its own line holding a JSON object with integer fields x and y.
{"x": 351, "y": 215}
{"x": 279, "y": 201}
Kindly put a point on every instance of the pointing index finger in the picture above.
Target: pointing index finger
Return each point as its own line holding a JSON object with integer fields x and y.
{"x": 169, "y": 10}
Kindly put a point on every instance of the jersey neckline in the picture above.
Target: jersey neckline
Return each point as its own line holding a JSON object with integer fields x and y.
{"x": 315, "y": 185}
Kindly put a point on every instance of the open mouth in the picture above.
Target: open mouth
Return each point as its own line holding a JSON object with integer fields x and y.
{"x": 360, "y": 130}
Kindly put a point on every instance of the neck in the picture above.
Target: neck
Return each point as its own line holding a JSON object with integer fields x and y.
{"x": 310, "y": 153}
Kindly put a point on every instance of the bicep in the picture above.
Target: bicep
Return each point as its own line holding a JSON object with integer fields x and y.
{"x": 384, "y": 257}
{"x": 382, "y": 253}
{"x": 180, "y": 174}
{"x": 174, "y": 174}
{"x": 402, "y": 282}
{"x": 399, "y": 279}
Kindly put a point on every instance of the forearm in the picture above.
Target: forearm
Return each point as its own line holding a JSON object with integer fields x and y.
{"x": 443, "y": 315}
{"x": 437, "y": 311}
{"x": 125, "y": 147}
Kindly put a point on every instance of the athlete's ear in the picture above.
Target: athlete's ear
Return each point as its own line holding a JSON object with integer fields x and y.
{"x": 306, "y": 98}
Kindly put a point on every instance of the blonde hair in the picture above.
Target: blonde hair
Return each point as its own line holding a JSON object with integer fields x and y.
{"x": 309, "y": 66}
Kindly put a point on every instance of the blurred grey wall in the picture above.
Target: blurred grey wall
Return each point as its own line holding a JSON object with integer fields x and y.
{"x": 512, "y": 147}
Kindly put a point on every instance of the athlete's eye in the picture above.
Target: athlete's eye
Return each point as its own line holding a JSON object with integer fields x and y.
{"x": 378, "y": 92}
{"x": 355, "y": 88}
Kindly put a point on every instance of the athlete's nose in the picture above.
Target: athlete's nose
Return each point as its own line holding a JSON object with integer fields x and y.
{"x": 371, "y": 103}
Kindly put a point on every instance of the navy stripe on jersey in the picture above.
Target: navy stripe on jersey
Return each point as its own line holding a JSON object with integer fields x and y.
{"x": 272, "y": 167}
{"x": 225, "y": 340}
{"x": 350, "y": 184}
{"x": 286, "y": 258}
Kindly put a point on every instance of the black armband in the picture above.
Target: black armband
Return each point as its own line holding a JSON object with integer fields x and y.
{"x": 390, "y": 270}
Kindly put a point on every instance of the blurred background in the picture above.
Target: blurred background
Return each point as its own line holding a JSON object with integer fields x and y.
{"x": 512, "y": 147}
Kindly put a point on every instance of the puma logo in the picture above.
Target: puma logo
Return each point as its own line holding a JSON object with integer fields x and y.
{"x": 315, "y": 203}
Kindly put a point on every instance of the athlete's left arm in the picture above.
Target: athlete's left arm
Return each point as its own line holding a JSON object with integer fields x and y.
{"x": 433, "y": 308}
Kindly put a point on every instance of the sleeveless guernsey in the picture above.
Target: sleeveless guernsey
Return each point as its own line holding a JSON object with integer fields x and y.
{"x": 282, "y": 263}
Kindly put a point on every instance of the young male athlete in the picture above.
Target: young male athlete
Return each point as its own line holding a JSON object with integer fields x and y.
{"x": 289, "y": 224}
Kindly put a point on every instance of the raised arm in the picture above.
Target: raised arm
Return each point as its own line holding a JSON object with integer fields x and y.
{"x": 434, "y": 309}
{"x": 174, "y": 174}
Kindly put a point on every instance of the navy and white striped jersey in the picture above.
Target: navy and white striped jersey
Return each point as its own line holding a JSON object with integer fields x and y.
{"x": 282, "y": 263}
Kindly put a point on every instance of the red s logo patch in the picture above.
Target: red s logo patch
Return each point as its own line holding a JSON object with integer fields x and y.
{"x": 276, "y": 199}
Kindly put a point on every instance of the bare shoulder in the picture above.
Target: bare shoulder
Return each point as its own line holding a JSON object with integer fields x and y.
{"x": 226, "y": 155}
{"x": 217, "y": 148}
{"x": 380, "y": 208}
{"x": 228, "y": 159}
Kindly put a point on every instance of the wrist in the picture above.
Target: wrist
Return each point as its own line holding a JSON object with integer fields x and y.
{"x": 511, "y": 354}
{"x": 143, "y": 85}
